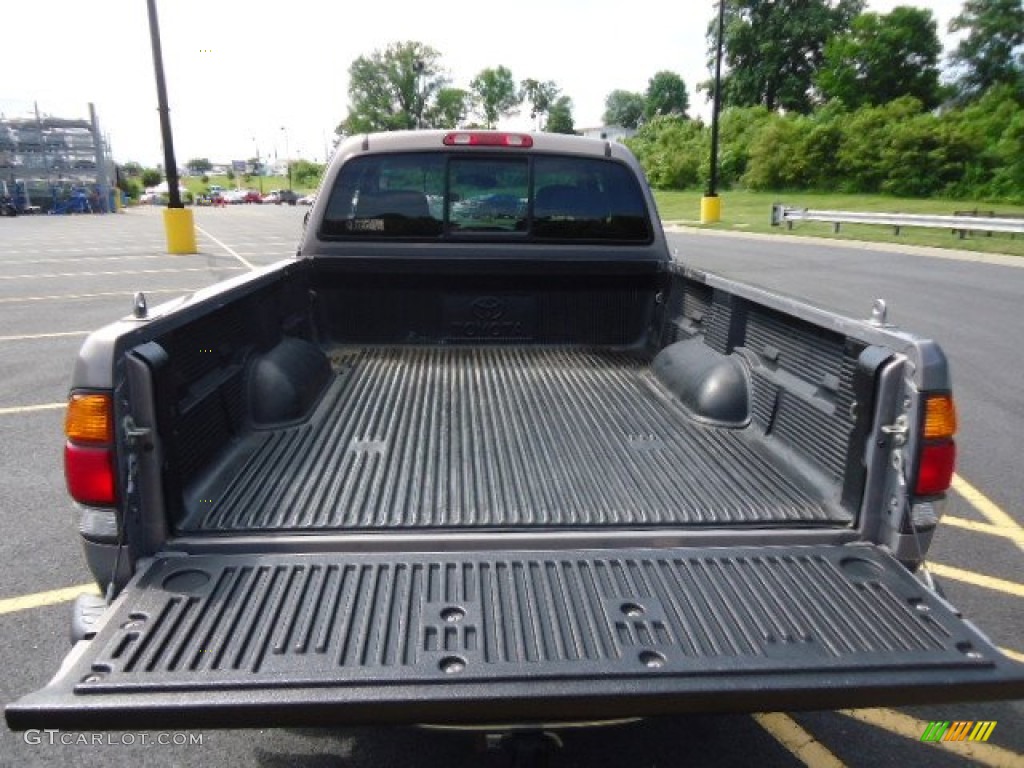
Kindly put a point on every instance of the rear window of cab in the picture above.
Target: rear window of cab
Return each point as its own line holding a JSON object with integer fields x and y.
{"x": 455, "y": 196}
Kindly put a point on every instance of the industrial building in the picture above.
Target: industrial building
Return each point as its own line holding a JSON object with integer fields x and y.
{"x": 55, "y": 164}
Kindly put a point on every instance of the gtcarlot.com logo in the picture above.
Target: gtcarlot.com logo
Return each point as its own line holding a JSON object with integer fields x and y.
{"x": 53, "y": 737}
{"x": 958, "y": 730}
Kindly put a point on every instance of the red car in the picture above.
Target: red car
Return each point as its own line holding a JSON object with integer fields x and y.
{"x": 252, "y": 196}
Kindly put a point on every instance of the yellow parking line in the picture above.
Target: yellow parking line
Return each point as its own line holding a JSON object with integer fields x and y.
{"x": 912, "y": 728}
{"x": 977, "y": 579}
{"x": 1012, "y": 654}
{"x": 985, "y": 505}
{"x": 986, "y": 528}
{"x": 39, "y": 599}
{"x": 799, "y": 742}
{"x": 31, "y": 408}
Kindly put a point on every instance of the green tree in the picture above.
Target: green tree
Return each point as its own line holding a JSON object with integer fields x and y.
{"x": 666, "y": 95}
{"x": 738, "y": 127}
{"x": 390, "y": 90}
{"x": 449, "y": 108}
{"x": 560, "y": 116}
{"x": 131, "y": 168}
{"x": 198, "y": 165}
{"x": 306, "y": 174}
{"x": 495, "y": 94}
{"x": 992, "y": 53}
{"x": 150, "y": 177}
{"x": 884, "y": 57}
{"x": 994, "y": 125}
{"x": 541, "y": 97}
{"x": 130, "y": 186}
{"x": 673, "y": 151}
{"x": 624, "y": 108}
{"x": 772, "y": 50}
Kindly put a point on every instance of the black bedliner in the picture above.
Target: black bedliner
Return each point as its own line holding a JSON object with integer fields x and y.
{"x": 500, "y": 437}
{"x": 272, "y": 640}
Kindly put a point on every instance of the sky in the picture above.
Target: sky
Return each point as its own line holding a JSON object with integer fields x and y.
{"x": 246, "y": 76}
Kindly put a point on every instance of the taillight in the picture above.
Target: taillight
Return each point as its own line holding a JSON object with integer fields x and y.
{"x": 935, "y": 473}
{"x": 487, "y": 139}
{"x": 90, "y": 474}
{"x": 89, "y": 450}
{"x": 938, "y": 451}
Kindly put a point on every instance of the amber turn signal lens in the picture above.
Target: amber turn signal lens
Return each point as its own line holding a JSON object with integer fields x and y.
{"x": 939, "y": 417}
{"x": 89, "y": 419}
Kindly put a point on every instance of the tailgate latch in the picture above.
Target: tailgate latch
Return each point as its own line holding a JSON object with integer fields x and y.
{"x": 133, "y": 433}
{"x": 899, "y": 430}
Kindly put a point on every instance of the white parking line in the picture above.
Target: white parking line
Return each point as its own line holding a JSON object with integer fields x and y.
{"x": 71, "y": 296}
{"x": 225, "y": 247}
{"x": 79, "y": 259}
{"x": 57, "y": 335}
{"x": 112, "y": 272}
{"x": 31, "y": 408}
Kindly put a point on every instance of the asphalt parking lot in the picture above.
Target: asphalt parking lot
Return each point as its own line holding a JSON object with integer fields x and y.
{"x": 61, "y": 277}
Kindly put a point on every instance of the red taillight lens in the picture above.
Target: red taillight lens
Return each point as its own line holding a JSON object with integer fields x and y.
{"x": 935, "y": 473}
{"x": 90, "y": 474}
{"x": 490, "y": 139}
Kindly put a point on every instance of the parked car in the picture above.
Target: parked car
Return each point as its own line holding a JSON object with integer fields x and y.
{"x": 252, "y": 196}
{"x": 307, "y": 199}
{"x": 278, "y": 196}
{"x": 234, "y": 196}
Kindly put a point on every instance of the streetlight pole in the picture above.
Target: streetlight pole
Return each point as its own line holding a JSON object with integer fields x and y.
{"x": 287, "y": 156}
{"x": 178, "y": 223}
{"x": 259, "y": 165}
{"x": 711, "y": 204}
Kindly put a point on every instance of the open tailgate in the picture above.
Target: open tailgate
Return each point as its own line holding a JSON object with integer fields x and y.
{"x": 262, "y": 640}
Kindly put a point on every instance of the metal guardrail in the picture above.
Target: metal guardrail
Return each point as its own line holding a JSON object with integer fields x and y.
{"x": 957, "y": 224}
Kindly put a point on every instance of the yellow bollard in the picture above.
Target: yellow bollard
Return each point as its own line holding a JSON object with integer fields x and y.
{"x": 181, "y": 230}
{"x": 710, "y": 209}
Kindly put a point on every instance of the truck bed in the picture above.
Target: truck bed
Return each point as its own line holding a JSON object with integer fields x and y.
{"x": 445, "y": 437}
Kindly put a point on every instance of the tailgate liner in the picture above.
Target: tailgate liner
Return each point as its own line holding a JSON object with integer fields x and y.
{"x": 331, "y": 638}
{"x": 500, "y": 437}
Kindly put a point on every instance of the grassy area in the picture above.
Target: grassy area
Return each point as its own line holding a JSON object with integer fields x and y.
{"x": 751, "y": 212}
{"x": 196, "y": 185}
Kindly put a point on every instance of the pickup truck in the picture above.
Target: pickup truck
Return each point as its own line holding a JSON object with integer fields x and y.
{"x": 486, "y": 452}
